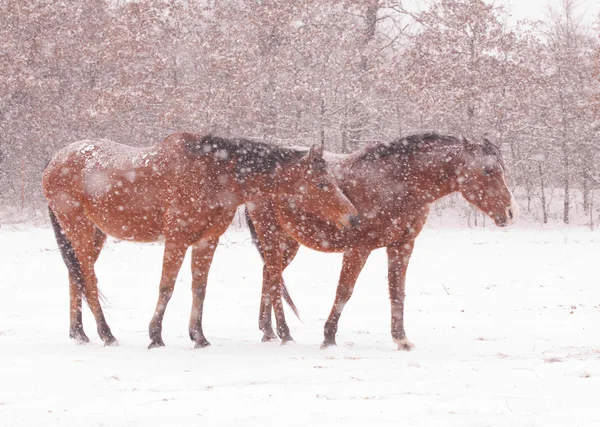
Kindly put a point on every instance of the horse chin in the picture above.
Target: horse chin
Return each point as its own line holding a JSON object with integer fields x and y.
{"x": 501, "y": 221}
{"x": 508, "y": 217}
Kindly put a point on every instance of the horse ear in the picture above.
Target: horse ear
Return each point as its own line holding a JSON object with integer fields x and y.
{"x": 320, "y": 149}
{"x": 469, "y": 146}
{"x": 315, "y": 152}
{"x": 310, "y": 157}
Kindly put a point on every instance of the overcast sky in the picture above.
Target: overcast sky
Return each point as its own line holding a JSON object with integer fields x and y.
{"x": 536, "y": 9}
{"x": 533, "y": 9}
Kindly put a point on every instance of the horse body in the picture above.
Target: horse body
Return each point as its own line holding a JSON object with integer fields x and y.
{"x": 387, "y": 212}
{"x": 392, "y": 186}
{"x": 131, "y": 194}
{"x": 185, "y": 191}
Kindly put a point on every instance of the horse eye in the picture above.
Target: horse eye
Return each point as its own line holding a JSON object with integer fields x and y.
{"x": 487, "y": 171}
{"x": 322, "y": 186}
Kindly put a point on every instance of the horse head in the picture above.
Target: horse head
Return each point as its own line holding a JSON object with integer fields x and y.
{"x": 481, "y": 180}
{"x": 317, "y": 191}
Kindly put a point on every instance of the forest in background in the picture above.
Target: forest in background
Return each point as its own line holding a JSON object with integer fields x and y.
{"x": 294, "y": 72}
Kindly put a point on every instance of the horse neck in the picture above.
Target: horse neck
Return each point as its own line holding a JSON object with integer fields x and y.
{"x": 280, "y": 181}
{"x": 438, "y": 178}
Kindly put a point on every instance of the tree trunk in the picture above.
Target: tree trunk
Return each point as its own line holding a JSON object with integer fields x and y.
{"x": 591, "y": 208}
{"x": 566, "y": 204}
{"x": 370, "y": 29}
{"x": 543, "y": 193}
{"x": 586, "y": 183}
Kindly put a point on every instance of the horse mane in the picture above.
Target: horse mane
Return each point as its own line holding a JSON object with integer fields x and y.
{"x": 491, "y": 149}
{"x": 251, "y": 157}
{"x": 405, "y": 146}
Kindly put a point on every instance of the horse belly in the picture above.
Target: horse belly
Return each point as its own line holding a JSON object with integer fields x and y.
{"x": 200, "y": 223}
{"x": 126, "y": 210}
{"x": 139, "y": 226}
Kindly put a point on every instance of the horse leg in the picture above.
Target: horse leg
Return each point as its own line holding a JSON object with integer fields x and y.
{"x": 352, "y": 264}
{"x": 202, "y": 256}
{"x": 264, "y": 315}
{"x": 274, "y": 271}
{"x": 76, "y": 330}
{"x": 76, "y": 319}
{"x": 398, "y": 257}
{"x": 271, "y": 238}
{"x": 172, "y": 260}
{"x": 264, "y": 318}
{"x": 83, "y": 237}
{"x": 99, "y": 240}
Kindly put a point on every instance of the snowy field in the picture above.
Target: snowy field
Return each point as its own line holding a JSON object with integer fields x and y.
{"x": 506, "y": 325}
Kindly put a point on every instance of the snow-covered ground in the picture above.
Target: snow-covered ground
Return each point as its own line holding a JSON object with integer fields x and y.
{"x": 506, "y": 325}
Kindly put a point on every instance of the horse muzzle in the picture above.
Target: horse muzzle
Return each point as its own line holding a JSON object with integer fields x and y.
{"x": 509, "y": 217}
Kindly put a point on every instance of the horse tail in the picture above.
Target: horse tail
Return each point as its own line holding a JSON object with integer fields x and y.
{"x": 288, "y": 299}
{"x": 68, "y": 254}
{"x": 284, "y": 290}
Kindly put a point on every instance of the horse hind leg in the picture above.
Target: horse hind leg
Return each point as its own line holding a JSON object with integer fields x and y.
{"x": 264, "y": 319}
{"x": 80, "y": 246}
{"x": 99, "y": 240}
{"x": 76, "y": 331}
{"x": 92, "y": 293}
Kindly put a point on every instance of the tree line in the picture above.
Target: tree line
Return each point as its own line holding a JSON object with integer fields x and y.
{"x": 293, "y": 72}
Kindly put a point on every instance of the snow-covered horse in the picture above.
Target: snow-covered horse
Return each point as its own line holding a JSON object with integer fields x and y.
{"x": 391, "y": 185}
{"x": 185, "y": 191}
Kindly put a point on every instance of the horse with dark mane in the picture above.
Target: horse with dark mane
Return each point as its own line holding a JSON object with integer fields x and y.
{"x": 392, "y": 185}
{"x": 185, "y": 191}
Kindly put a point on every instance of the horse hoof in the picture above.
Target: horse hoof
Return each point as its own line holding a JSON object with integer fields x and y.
{"x": 285, "y": 341}
{"x": 202, "y": 343}
{"x": 81, "y": 339}
{"x": 112, "y": 342}
{"x": 156, "y": 344}
{"x": 327, "y": 344}
{"x": 269, "y": 338}
{"x": 404, "y": 345}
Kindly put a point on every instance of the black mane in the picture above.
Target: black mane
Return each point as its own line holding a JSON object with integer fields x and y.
{"x": 406, "y": 145}
{"x": 251, "y": 157}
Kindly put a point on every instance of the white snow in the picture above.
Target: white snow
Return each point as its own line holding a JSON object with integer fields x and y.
{"x": 505, "y": 323}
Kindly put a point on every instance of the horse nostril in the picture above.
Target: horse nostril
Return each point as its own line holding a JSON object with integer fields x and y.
{"x": 354, "y": 220}
{"x": 510, "y": 214}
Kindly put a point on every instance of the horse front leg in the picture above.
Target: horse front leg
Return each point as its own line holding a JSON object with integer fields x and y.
{"x": 398, "y": 258}
{"x": 352, "y": 264}
{"x": 202, "y": 256}
{"x": 271, "y": 240}
{"x": 273, "y": 279}
{"x": 172, "y": 260}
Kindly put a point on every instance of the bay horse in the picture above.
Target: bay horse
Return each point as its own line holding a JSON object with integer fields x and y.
{"x": 392, "y": 185}
{"x": 183, "y": 190}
